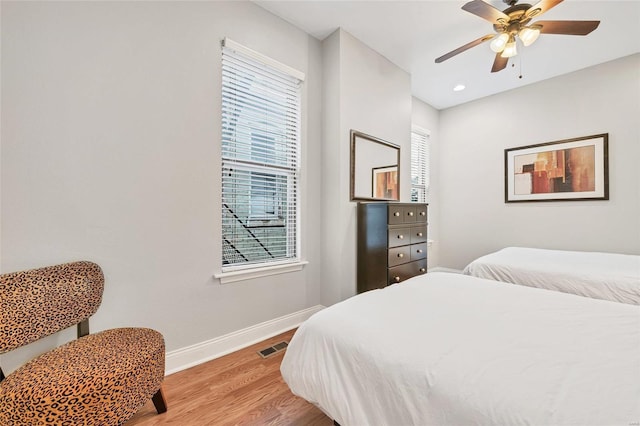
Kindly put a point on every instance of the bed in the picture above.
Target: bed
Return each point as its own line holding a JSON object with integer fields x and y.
{"x": 607, "y": 276}
{"x": 450, "y": 349}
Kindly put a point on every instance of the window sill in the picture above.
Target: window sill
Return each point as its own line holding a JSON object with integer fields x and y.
{"x": 248, "y": 274}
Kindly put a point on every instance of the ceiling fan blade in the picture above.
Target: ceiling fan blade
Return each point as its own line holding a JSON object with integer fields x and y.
{"x": 541, "y": 7}
{"x": 463, "y": 48}
{"x": 499, "y": 63}
{"x": 567, "y": 27}
{"x": 485, "y": 11}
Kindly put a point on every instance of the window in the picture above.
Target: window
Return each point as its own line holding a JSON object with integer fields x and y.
{"x": 260, "y": 159}
{"x": 419, "y": 164}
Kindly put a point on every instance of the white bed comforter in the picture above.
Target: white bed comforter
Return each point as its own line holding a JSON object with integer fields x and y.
{"x": 449, "y": 349}
{"x": 607, "y": 276}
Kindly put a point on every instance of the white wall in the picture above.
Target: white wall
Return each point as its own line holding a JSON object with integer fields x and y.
{"x": 111, "y": 153}
{"x": 365, "y": 92}
{"x": 427, "y": 117}
{"x": 474, "y": 219}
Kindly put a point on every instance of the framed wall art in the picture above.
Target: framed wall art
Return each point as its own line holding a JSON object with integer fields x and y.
{"x": 565, "y": 170}
{"x": 384, "y": 182}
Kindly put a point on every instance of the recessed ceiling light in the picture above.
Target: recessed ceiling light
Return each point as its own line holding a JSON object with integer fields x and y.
{"x": 458, "y": 88}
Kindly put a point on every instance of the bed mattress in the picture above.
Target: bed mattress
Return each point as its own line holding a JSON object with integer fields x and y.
{"x": 607, "y": 276}
{"x": 450, "y": 349}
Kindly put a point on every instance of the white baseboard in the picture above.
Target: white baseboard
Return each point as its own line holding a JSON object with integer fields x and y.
{"x": 443, "y": 269}
{"x": 181, "y": 359}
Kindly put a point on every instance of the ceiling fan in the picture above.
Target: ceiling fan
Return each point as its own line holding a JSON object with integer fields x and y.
{"x": 515, "y": 22}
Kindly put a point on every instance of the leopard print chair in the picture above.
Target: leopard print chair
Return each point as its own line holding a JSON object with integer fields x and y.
{"x": 98, "y": 379}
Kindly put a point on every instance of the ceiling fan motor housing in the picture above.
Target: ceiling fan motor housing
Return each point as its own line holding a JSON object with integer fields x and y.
{"x": 518, "y": 18}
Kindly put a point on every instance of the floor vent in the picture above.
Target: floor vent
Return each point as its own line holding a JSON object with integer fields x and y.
{"x": 267, "y": 352}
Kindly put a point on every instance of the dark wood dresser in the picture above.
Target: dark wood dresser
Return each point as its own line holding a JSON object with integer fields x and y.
{"x": 392, "y": 243}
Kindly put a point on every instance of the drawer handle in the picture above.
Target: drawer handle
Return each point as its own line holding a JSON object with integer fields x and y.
{"x": 400, "y": 236}
{"x": 400, "y": 255}
{"x": 396, "y": 214}
{"x": 419, "y": 234}
{"x": 410, "y": 213}
{"x": 423, "y": 213}
{"x": 396, "y": 279}
{"x": 422, "y": 270}
{"x": 419, "y": 250}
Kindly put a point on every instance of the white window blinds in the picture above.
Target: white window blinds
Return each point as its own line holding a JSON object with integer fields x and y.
{"x": 260, "y": 159}
{"x": 419, "y": 164}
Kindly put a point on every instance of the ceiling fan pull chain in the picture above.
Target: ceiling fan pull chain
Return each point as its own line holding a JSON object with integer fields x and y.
{"x": 520, "y": 65}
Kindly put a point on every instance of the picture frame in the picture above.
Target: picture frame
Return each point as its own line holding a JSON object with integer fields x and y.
{"x": 384, "y": 183}
{"x": 574, "y": 169}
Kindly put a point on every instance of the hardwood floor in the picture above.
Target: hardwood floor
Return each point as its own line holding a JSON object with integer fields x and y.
{"x": 241, "y": 388}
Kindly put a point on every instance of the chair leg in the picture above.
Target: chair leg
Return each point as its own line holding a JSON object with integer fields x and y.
{"x": 159, "y": 401}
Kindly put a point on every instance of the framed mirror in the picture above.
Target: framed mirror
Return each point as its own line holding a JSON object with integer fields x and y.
{"x": 375, "y": 168}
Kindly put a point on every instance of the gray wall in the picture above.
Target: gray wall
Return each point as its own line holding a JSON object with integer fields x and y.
{"x": 111, "y": 153}
{"x": 365, "y": 92}
{"x": 475, "y": 220}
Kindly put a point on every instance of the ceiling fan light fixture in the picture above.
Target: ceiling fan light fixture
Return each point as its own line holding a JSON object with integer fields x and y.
{"x": 529, "y": 34}
{"x": 510, "y": 49}
{"x": 498, "y": 43}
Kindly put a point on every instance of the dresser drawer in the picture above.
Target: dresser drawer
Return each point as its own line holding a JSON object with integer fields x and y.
{"x": 409, "y": 213}
{"x": 395, "y": 214}
{"x": 418, "y": 234}
{"x": 419, "y": 267}
{"x": 407, "y": 270}
{"x": 418, "y": 251}
{"x": 400, "y": 273}
{"x": 421, "y": 213}
{"x": 399, "y": 255}
{"x": 399, "y": 237}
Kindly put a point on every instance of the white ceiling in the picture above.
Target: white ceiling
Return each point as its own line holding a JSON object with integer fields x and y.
{"x": 413, "y": 33}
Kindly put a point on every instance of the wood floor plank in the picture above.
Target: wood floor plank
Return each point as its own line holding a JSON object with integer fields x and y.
{"x": 241, "y": 388}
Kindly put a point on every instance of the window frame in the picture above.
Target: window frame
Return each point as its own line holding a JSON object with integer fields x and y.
{"x": 425, "y": 135}
{"x": 240, "y": 271}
